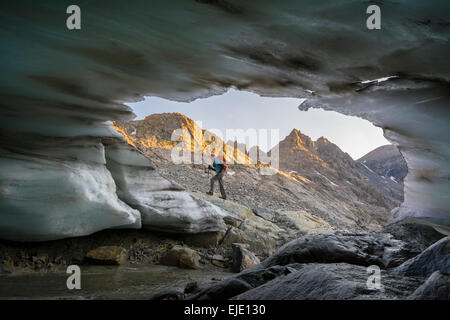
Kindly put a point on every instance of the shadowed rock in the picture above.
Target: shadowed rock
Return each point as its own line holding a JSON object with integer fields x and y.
{"x": 223, "y": 290}
{"x": 325, "y": 266}
{"x": 436, "y": 257}
{"x": 437, "y": 287}
{"x": 243, "y": 258}
{"x": 330, "y": 282}
{"x": 364, "y": 250}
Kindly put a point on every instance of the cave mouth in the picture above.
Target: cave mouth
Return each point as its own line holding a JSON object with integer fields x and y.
{"x": 56, "y": 112}
{"x": 317, "y": 156}
{"x": 245, "y": 110}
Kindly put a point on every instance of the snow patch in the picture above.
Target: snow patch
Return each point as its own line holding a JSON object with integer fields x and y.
{"x": 331, "y": 182}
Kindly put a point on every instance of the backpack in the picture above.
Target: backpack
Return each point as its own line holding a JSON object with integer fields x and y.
{"x": 224, "y": 164}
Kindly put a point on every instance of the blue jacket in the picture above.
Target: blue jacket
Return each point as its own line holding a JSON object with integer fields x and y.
{"x": 217, "y": 165}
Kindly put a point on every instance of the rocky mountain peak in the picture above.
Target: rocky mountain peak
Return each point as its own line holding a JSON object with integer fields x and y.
{"x": 296, "y": 139}
{"x": 153, "y": 135}
{"x": 387, "y": 161}
{"x": 162, "y": 125}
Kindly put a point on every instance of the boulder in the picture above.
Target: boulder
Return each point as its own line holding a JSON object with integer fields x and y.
{"x": 417, "y": 237}
{"x": 170, "y": 294}
{"x": 246, "y": 227}
{"x": 340, "y": 281}
{"x": 263, "y": 237}
{"x": 358, "y": 249}
{"x": 436, "y": 257}
{"x": 182, "y": 257}
{"x": 223, "y": 290}
{"x": 243, "y": 258}
{"x": 108, "y": 255}
{"x": 437, "y": 287}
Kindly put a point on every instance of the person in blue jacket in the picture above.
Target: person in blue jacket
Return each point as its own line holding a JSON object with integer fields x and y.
{"x": 219, "y": 167}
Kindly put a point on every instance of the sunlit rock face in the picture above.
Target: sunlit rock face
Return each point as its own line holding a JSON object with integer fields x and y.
{"x": 59, "y": 87}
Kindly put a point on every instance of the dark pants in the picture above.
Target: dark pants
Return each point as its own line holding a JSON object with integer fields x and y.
{"x": 218, "y": 177}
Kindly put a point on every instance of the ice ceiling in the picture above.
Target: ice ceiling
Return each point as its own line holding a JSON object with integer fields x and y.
{"x": 63, "y": 171}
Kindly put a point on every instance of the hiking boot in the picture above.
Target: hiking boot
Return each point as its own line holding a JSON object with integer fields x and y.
{"x": 210, "y": 193}
{"x": 224, "y": 198}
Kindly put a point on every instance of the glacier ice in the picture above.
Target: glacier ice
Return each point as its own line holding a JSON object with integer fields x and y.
{"x": 43, "y": 199}
{"x": 59, "y": 88}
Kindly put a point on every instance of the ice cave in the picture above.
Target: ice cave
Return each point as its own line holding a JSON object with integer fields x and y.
{"x": 64, "y": 171}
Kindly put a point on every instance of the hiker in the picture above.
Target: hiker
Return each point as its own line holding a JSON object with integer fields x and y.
{"x": 219, "y": 167}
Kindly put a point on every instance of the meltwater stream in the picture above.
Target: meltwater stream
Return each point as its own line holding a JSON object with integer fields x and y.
{"x": 104, "y": 282}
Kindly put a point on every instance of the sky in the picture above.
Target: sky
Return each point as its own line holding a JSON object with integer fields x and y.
{"x": 244, "y": 110}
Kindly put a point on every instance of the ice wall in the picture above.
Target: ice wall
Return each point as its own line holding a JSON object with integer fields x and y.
{"x": 59, "y": 88}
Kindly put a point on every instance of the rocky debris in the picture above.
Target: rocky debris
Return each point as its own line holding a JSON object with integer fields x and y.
{"x": 108, "y": 255}
{"x": 261, "y": 235}
{"x": 281, "y": 192}
{"x": 318, "y": 179}
{"x": 223, "y": 290}
{"x": 204, "y": 239}
{"x": 434, "y": 258}
{"x": 7, "y": 265}
{"x": 170, "y": 294}
{"x": 262, "y": 240}
{"x": 437, "y": 287}
{"x": 182, "y": 257}
{"x": 143, "y": 247}
{"x": 417, "y": 237}
{"x": 358, "y": 249}
{"x": 339, "y": 281}
{"x": 243, "y": 258}
{"x": 299, "y": 222}
{"x": 219, "y": 261}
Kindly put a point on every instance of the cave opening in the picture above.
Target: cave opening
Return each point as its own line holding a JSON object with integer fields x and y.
{"x": 245, "y": 110}
{"x": 334, "y": 166}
